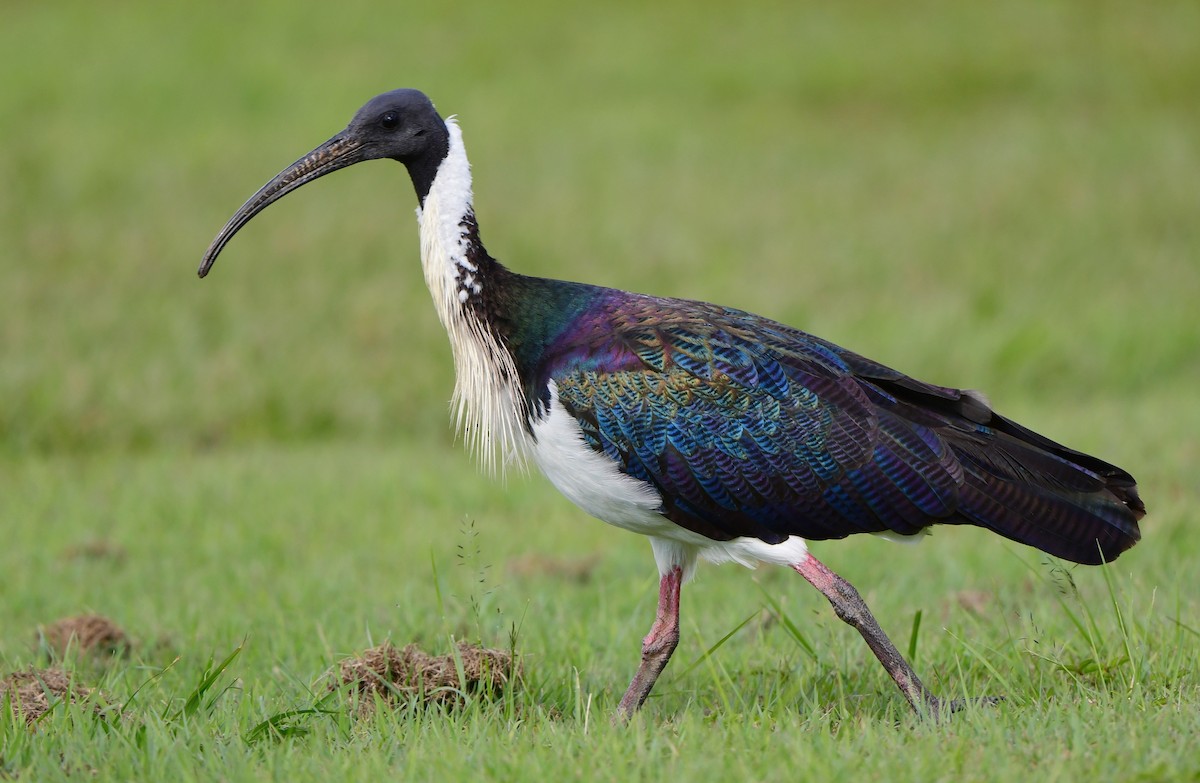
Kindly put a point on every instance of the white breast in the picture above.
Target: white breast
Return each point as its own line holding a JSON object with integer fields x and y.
{"x": 591, "y": 480}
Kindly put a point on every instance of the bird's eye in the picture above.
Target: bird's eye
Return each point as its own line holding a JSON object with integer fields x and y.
{"x": 390, "y": 120}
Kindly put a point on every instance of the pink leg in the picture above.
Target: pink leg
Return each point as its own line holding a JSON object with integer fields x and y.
{"x": 851, "y": 608}
{"x": 657, "y": 646}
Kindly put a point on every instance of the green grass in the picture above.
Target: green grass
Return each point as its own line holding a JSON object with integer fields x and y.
{"x": 1000, "y": 196}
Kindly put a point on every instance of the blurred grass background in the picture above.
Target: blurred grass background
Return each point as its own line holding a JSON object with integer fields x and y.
{"x": 1002, "y": 196}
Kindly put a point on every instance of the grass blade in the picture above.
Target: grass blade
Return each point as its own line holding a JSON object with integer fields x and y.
{"x": 285, "y": 724}
{"x": 792, "y": 629}
{"x": 912, "y": 638}
{"x": 211, "y": 674}
{"x": 719, "y": 643}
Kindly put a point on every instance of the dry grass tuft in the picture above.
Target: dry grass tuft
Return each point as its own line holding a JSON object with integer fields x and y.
{"x": 88, "y": 633}
{"x": 32, "y": 693}
{"x": 411, "y": 674}
{"x": 975, "y": 601}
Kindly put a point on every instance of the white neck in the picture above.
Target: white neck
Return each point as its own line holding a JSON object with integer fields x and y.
{"x": 488, "y": 410}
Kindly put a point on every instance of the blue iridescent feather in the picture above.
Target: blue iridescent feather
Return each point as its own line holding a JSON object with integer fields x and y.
{"x": 747, "y": 427}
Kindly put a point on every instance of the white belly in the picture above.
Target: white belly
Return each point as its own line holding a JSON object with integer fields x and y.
{"x": 593, "y": 482}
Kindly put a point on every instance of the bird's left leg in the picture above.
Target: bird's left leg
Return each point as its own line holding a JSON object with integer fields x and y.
{"x": 657, "y": 646}
{"x": 851, "y": 608}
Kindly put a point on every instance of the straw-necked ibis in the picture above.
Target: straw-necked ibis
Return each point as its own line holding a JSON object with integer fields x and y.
{"x": 715, "y": 432}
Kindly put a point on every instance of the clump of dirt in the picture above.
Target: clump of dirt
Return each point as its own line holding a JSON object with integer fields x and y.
{"x": 95, "y": 549}
{"x": 32, "y": 693}
{"x": 408, "y": 674}
{"x": 568, "y": 569}
{"x": 90, "y": 634}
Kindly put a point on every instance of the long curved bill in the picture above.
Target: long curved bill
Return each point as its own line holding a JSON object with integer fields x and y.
{"x": 337, "y": 153}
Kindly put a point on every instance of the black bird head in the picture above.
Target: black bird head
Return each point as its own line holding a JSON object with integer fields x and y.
{"x": 402, "y": 125}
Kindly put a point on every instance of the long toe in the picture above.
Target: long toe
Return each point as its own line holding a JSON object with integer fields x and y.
{"x": 941, "y": 709}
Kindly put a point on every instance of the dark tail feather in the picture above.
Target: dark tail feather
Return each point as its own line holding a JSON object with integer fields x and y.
{"x": 1032, "y": 490}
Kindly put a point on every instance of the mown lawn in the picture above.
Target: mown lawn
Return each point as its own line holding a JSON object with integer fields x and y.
{"x": 999, "y": 196}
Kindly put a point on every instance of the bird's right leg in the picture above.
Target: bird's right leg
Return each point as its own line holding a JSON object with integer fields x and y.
{"x": 657, "y": 646}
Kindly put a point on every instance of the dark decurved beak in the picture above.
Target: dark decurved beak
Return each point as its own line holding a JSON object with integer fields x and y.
{"x": 337, "y": 153}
